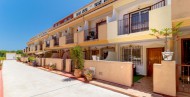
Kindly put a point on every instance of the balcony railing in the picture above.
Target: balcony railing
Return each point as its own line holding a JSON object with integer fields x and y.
{"x": 90, "y": 34}
{"x": 70, "y": 38}
{"x": 158, "y": 5}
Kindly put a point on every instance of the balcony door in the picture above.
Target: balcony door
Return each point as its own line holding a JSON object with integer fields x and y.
{"x": 140, "y": 21}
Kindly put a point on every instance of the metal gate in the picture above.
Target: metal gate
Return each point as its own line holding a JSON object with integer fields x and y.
{"x": 183, "y": 78}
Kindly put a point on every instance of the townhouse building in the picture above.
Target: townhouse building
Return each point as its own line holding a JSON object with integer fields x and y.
{"x": 114, "y": 30}
{"x": 119, "y": 30}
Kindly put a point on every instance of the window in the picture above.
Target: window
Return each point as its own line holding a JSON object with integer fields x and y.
{"x": 133, "y": 54}
{"x": 140, "y": 21}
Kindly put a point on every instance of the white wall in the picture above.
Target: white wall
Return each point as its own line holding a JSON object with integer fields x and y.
{"x": 92, "y": 23}
{"x": 10, "y": 56}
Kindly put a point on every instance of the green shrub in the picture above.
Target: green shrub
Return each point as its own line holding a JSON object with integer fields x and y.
{"x": 31, "y": 59}
{"x": 18, "y": 59}
{"x": 77, "y": 57}
{"x": 2, "y": 58}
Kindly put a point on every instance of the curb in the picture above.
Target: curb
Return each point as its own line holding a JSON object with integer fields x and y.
{"x": 1, "y": 84}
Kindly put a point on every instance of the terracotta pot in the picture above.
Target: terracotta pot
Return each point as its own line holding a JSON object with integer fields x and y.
{"x": 50, "y": 68}
{"x": 77, "y": 73}
{"x": 47, "y": 67}
{"x": 30, "y": 63}
{"x": 89, "y": 78}
{"x": 0, "y": 67}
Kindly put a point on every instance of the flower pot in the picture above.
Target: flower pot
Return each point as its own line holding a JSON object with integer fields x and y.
{"x": 77, "y": 73}
{"x": 50, "y": 68}
{"x": 89, "y": 78}
{"x": 167, "y": 56}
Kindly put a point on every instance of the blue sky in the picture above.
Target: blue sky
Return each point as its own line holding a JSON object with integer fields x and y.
{"x": 22, "y": 19}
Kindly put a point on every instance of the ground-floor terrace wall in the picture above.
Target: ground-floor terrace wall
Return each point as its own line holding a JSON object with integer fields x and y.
{"x": 117, "y": 72}
{"x": 24, "y": 59}
{"x": 123, "y": 52}
{"x": 58, "y": 62}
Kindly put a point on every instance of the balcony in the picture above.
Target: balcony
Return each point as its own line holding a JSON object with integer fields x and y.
{"x": 36, "y": 48}
{"x": 136, "y": 25}
{"x": 40, "y": 47}
{"x": 91, "y": 34}
{"x": 70, "y": 38}
{"x": 47, "y": 44}
{"x": 56, "y": 41}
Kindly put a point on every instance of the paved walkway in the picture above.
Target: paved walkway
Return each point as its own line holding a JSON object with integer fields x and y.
{"x": 21, "y": 80}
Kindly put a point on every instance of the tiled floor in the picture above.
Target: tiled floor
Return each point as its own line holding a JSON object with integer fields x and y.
{"x": 145, "y": 84}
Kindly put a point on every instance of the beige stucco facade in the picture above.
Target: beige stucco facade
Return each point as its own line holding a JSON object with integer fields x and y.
{"x": 164, "y": 78}
{"x": 58, "y": 62}
{"x": 117, "y": 72}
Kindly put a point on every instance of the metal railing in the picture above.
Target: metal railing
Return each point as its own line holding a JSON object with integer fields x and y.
{"x": 133, "y": 24}
{"x": 183, "y": 78}
{"x": 158, "y": 5}
{"x": 123, "y": 26}
{"x": 70, "y": 38}
{"x": 90, "y": 34}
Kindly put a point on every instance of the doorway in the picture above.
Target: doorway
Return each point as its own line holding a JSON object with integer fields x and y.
{"x": 185, "y": 52}
{"x": 154, "y": 55}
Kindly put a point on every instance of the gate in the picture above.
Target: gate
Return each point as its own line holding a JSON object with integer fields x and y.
{"x": 183, "y": 78}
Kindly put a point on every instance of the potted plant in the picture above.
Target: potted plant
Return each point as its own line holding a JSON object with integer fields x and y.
{"x": 18, "y": 59}
{"x": 166, "y": 33}
{"x": 44, "y": 66}
{"x": 47, "y": 66}
{"x": 88, "y": 74}
{"x": 31, "y": 60}
{"x": 52, "y": 67}
{"x": 1, "y": 65}
{"x": 77, "y": 57}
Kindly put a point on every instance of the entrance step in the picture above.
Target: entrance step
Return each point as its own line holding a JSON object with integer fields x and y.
{"x": 127, "y": 91}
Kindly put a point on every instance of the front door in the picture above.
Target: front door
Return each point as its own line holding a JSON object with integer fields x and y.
{"x": 154, "y": 55}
